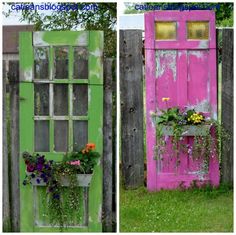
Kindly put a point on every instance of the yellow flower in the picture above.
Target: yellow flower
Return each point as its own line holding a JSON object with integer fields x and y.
{"x": 165, "y": 99}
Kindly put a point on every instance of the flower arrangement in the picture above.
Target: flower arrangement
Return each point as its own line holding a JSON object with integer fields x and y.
{"x": 177, "y": 123}
{"x": 40, "y": 171}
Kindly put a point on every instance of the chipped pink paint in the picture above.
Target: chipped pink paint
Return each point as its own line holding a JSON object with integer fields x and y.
{"x": 191, "y": 81}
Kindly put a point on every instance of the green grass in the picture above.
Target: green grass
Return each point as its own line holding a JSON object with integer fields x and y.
{"x": 206, "y": 210}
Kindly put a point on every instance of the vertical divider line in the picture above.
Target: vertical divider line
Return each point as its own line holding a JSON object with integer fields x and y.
{"x": 70, "y": 99}
{"x": 70, "y": 132}
{"x": 51, "y": 96}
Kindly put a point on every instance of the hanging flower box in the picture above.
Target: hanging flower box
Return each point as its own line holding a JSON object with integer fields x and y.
{"x": 187, "y": 130}
{"x": 83, "y": 180}
{"x": 75, "y": 170}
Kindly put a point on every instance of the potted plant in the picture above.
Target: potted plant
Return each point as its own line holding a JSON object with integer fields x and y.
{"x": 174, "y": 124}
{"x": 74, "y": 171}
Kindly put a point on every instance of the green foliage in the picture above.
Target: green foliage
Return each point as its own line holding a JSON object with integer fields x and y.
{"x": 203, "y": 146}
{"x": 170, "y": 115}
{"x": 224, "y": 14}
{"x": 87, "y": 160}
{"x": 102, "y": 17}
{"x": 195, "y": 210}
{"x": 63, "y": 204}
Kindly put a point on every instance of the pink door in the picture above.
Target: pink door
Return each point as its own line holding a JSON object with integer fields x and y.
{"x": 180, "y": 49}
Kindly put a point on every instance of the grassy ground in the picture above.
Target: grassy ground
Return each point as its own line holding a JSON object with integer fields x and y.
{"x": 206, "y": 210}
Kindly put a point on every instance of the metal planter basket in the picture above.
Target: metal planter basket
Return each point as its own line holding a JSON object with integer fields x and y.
{"x": 188, "y": 130}
{"x": 83, "y": 180}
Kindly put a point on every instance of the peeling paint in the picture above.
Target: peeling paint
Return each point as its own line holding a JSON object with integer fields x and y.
{"x": 38, "y": 39}
{"x": 203, "y": 44}
{"x": 28, "y": 75}
{"x": 202, "y": 106}
{"x": 214, "y": 116}
{"x": 89, "y": 95}
{"x": 82, "y": 39}
{"x": 97, "y": 53}
{"x": 166, "y": 60}
{"x": 198, "y": 54}
{"x": 100, "y": 213}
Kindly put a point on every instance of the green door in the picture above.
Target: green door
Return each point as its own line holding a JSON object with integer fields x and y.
{"x": 61, "y": 109}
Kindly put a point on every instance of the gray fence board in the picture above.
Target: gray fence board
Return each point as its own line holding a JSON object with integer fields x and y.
{"x": 107, "y": 149}
{"x": 13, "y": 77}
{"x": 5, "y": 165}
{"x": 131, "y": 85}
{"x": 227, "y": 104}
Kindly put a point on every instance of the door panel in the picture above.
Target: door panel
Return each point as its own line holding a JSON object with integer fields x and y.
{"x": 61, "y": 109}
{"x": 181, "y": 65}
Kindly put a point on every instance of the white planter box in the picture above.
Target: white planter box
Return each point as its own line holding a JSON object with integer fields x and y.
{"x": 83, "y": 180}
{"x": 188, "y": 130}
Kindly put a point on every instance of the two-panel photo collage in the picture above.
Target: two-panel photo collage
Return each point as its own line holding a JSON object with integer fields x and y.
{"x": 117, "y": 117}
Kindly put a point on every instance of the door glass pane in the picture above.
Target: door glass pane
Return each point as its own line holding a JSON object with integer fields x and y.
{"x": 60, "y": 99}
{"x": 41, "y": 99}
{"x": 61, "y": 62}
{"x": 165, "y": 30}
{"x": 61, "y": 136}
{"x": 41, "y": 63}
{"x": 80, "y": 133}
{"x": 80, "y": 100}
{"x": 198, "y": 30}
{"x": 80, "y": 63}
{"x": 41, "y": 136}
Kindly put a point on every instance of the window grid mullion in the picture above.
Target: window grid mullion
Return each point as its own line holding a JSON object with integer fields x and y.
{"x": 70, "y": 99}
{"x": 51, "y": 111}
{"x": 70, "y": 132}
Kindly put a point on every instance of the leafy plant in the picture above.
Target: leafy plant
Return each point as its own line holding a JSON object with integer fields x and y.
{"x": 61, "y": 206}
{"x": 180, "y": 120}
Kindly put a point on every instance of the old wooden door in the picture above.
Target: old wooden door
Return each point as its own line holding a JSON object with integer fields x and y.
{"x": 61, "y": 109}
{"x": 180, "y": 49}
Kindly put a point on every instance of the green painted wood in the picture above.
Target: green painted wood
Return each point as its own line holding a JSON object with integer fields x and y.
{"x": 94, "y": 40}
{"x": 61, "y": 38}
{"x": 26, "y": 59}
{"x": 95, "y": 135}
{"x": 26, "y": 144}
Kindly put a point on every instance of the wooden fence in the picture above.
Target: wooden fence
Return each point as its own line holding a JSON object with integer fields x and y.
{"x": 11, "y": 194}
{"x": 132, "y": 106}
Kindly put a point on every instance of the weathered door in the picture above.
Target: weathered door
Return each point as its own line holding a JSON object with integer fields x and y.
{"x": 61, "y": 109}
{"x": 180, "y": 64}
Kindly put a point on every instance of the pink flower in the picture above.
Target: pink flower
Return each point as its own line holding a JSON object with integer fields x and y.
{"x": 75, "y": 163}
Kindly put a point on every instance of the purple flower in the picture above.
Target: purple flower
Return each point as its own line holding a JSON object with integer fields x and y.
{"x": 56, "y": 196}
{"x": 41, "y": 160}
{"x": 49, "y": 189}
{"x": 39, "y": 166}
{"x": 30, "y": 168}
{"x": 45, "y": 179}
{"x": 42, "y": 175}
{"x": 38, "y": 181}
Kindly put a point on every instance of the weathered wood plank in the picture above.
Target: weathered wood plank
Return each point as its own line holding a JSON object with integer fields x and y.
{"x": 107, "y": 149}
{"x": 227, "y": 104}
{"x": 5, "y": 168}
{"x": 131, "y": 85}
{"x": 13, "y": 77}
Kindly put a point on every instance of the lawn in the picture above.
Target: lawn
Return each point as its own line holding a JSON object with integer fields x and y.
{"x": 195, "y": 210}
